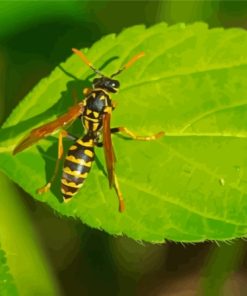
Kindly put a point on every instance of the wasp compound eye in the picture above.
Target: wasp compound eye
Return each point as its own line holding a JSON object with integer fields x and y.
{"x": 115, "y": 84}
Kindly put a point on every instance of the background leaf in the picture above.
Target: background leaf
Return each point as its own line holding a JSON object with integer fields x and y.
{"x": 188, "y": 186}
{"x": 7, "y": 286}
{"x": 26, "y": 260}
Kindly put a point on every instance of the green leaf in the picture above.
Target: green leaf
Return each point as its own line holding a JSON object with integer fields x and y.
{"x": 221, "y": 263}
{"x": 26, "y": 260}
{"x": 190, "y": 185}
{"x": 7, "y": 286}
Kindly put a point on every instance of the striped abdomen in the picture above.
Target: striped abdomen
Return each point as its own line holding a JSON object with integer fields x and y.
{"x": 77, "y": 165}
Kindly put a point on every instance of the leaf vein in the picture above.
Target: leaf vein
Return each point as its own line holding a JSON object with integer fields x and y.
{"x": 144, "y": 189}
{"x": 184, "y": 73}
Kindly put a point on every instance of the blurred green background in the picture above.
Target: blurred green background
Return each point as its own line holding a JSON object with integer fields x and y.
{"x": 51, "y": 255}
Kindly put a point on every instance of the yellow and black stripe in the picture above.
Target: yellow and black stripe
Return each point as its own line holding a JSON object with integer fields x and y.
{"x": 77, "y": 165}
{"x": 92, "y": 120}
{"x": 95, "y": 105}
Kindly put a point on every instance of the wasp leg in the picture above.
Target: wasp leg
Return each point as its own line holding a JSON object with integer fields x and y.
{"x": 62, "y": 134}
{"x": 114, "y": 104}
{"x": 134, "y": 136}
{"x": 119, "y": 194}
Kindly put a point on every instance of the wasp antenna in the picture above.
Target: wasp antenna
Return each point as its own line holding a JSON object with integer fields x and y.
{"x": 130, "y": 63}
{"x": 134, "y": 59}
{"x": 86, "y": 61}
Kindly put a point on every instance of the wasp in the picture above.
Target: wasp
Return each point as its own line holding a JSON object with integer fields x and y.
{"x": 94, "y": 112}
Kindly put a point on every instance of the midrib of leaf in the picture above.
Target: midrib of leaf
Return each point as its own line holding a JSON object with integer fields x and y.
{"x": 181, "y": 133}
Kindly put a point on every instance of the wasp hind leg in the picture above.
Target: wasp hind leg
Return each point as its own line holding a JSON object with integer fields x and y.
{"x": 119, "y": 194}
{"x": 62, "y": 135}
{"x": 132, "y": 135}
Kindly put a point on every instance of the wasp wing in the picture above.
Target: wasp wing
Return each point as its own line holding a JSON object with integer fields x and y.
{"x": 108, "y": 148}
{"x": 40, "y": 132}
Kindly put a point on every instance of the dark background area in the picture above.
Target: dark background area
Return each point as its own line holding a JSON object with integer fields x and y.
{"x": 34, "y": 38}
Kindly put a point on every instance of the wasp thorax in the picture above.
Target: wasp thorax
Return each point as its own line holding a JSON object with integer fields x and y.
{"x": 106, "y": 83}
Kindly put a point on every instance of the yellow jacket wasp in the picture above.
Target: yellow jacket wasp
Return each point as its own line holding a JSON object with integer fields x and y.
{"x": 95, "y": 113}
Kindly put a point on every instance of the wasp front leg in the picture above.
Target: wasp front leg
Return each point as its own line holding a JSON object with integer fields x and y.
{"x": 62, "y": 135}
{"x": 132, "y": 135}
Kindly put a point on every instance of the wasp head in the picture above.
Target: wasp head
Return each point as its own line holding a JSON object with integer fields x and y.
{"x": 106, "y": 83}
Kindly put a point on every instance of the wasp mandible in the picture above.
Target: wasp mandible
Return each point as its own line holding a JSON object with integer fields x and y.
{"x": 95, "y": 114}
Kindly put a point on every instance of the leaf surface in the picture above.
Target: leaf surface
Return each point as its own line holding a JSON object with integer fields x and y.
{"x": 7, "y": 286}
{"x": 190, "y": 185}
